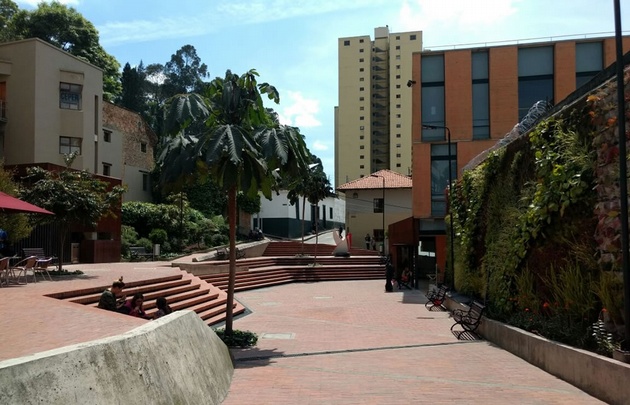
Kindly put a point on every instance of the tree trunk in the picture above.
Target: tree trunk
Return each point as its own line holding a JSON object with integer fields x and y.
{"x": 229, "y": 310}
{"x": 316, "y": 232}
{"x": 63, "y": 233}
{"x": 303, "y": 213}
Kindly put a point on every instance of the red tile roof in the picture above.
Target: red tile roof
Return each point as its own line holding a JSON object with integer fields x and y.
{"x": 375, "y": 181}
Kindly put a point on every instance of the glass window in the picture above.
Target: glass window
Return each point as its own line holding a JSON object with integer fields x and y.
{"x": 107, "y": 169}
{"x": 481, "y": 110}
{"x": 440, "y": 175}
{"x": 432, "y": 69}
{"x": 535, "y": 77}
{"x": 346, "y": 42}
{"x": 69, "y": 145}
{"x": 107, "y": 135}
{"x": 378, "y": 205}
{"x": 412, "y": 37}
{"x": 143, "y": 147}
{"x": 433, "y": 112}
{"x": 145, "y": 181}
{"x": 589, "y": 61}
{"x": 70, "y": 96}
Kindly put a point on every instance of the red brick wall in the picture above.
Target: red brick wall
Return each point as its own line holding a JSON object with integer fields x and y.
{"x": 503, "y": 66}
{"x": 458, "y": 93}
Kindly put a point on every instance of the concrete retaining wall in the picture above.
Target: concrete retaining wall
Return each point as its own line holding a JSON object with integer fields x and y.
{"x": 599, "y": 376}
{"x": 176, "y": 359}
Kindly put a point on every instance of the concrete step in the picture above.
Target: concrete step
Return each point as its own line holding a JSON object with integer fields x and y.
{"x": 100, "y": 289}
{"x": 144, "y": 289}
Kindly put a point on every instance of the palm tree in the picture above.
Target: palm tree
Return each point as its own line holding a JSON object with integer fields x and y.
{"x": 239, "y": 146}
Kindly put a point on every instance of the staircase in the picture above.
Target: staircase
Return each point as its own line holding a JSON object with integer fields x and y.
{"x": 206, "y": 294}
{"x": 291, "y": 248}
{"x": 182, "y": 291}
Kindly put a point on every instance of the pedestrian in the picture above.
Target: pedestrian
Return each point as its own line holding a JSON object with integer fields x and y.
{"x": 389, "y": 274}
{"x": 373, "y": 242}
{"x": 368, "y": 239}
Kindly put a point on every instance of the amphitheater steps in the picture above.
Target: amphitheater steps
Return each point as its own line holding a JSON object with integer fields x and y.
{"x": 182, "y": 291}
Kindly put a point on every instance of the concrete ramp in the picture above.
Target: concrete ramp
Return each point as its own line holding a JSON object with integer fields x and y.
{"x": 176, "y": 359}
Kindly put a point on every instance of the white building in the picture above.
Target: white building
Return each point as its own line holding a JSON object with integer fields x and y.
{"x": 279, "y": 218}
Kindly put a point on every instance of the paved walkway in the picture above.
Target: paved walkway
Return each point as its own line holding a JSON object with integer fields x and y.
{"x": 350, "y": 343}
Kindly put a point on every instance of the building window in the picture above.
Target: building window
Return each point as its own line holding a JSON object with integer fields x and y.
{"x": 397, "y": 105}
{"x": 145, "y": 182}
{"x": 361, "y": 146}
{"x": 361, "y": 88}
{"x": 432, "y": 108}
{"x": 361, "y": 79}
{"x": 360, "y": 167}
{"x": 361, "y": 108}
{"x": 397, "y": 135}
{"x": 397, "y": 37}
{"x": 397, "y": 76}
{"x": 398, "y": 155}
{"x": 398, "y": 145}
{"x": 397, "y": 125}
{"x": 397, "y": 115}
{"x": 330, "y": 215}
{"x": 589, "y": 60}
{"x": 361, "y": 69}
{"x": 361, "y": 50}
{"x": 480, "y": 96}
{"x": 361, "y": 157}
{"x": 361, "y": 137}
{"x": 398, "y": 86}
{"x": 362, "y": 127}
{"x": 397, "y": 164}
{"x": 346, "y": 42}
{"x": 361, "y": 118}
{"x": 397, "y": 95}
{"x": 361, "y": 60}
{"x": 69, "y": 145}
{"x": 107, "y": 169}
{"x": 439, "y": 176}
{"x": 397, "y": 66}
{"x": 397, "y": 47}
{"x": 397, "y": 57}
{"x": 70, "y": 96}
{"x": 535, "y": 77}
{"x": 378, "y": 205}
{"x": 107, "y": 135}
{"x": 361, "y": 98}
{"x": 143, "y": 147}
{"x": 361, "y": 40}
{"x": 412, "y": 37}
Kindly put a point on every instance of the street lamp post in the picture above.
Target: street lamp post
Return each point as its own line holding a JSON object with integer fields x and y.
{"x": 383, "y": 178}
{"x": 450, "y": 189}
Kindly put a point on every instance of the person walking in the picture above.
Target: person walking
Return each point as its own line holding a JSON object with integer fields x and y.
{"x": 368, "y": 240}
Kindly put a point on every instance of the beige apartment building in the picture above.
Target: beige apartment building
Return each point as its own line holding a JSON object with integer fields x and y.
{"x": 51, "y": 104}
{"x": 373, "y": 116}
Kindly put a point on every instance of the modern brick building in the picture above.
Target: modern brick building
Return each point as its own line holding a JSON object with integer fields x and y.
{"x": 480, "y": 94}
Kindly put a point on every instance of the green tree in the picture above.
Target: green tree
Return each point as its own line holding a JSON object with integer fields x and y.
{"x": 75, "y": 197}
{"x": 133, "y": 95}
{"x": 65, "y": 28}
{"x": 184, "y": 72}
{"x": 239, "y": 146}
{"x": 7, "y": 11}
{"x": 17, "y": 226}
{"x": 317, "y": 188}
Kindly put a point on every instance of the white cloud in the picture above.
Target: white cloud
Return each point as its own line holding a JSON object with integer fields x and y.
{"x": 299, "y": 111}
{"x": 319, "y": 146}
{"x": 464, "y": 14}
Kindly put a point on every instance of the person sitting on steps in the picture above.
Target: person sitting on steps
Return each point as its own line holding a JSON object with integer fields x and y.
{"x": 112, "y": 298}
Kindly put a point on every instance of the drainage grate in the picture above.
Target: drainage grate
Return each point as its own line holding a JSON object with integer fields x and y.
{"x": 278, "y": 336}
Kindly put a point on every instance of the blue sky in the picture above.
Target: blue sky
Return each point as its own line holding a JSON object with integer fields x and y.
{"x": 293, "y": 43}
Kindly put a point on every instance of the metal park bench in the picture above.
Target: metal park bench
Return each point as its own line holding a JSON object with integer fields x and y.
{"x": 140, "y": 253}
{"x": 469, "y": 320}
{"x": 436, "y": 297}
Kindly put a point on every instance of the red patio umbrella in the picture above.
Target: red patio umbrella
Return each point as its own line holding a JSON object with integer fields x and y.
{"x": 12, "y": 204}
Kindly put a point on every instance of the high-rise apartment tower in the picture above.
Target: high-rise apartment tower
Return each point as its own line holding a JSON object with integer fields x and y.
{"x": 373, "y": 116}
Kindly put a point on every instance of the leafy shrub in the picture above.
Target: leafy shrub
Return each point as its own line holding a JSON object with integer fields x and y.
{"x": 158, "y": 236}
{"x": 238, "y": 338}
{"x": 129, "y": 237}
{"x": 216, "y": 240}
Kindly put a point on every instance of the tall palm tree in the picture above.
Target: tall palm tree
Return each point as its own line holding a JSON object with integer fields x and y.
{"x": 240, "y": 145}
